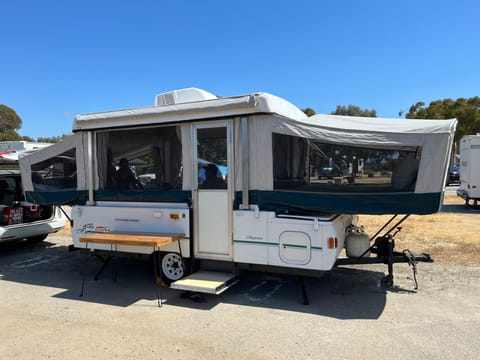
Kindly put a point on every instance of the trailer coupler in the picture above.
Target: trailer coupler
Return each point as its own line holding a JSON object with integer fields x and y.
{"x": 385, "y": 254}
{"x": 384, "y": 247}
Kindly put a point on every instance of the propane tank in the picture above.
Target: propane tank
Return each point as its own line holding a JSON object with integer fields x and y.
{"x": 356, "y": 242}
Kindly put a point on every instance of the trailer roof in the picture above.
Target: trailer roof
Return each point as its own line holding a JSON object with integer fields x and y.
{"x": 258, "y": 103}
{"x": 376, "y": 125}
{"x": 249, "y": 104}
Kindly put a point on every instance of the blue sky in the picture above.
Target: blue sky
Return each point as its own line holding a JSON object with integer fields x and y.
{"x": 66, "y": 57}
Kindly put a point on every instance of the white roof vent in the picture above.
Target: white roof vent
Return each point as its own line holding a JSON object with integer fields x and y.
{"x": 183, "y": 96}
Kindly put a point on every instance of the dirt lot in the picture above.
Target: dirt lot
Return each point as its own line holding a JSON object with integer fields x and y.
{"x": 451, "y": 236}
{"x": 350, "y": 315}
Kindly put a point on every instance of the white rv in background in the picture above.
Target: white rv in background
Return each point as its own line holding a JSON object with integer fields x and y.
{"x": 12, "y": 150}
{"x": 469, "y": 188}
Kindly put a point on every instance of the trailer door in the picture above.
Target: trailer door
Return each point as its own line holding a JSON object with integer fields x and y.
{"x": 212, "y": 189}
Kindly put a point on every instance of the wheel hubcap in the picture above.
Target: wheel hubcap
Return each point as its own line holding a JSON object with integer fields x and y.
{"x": 172, "y": 266}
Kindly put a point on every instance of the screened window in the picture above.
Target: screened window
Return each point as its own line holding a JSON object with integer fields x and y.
{"x": 212, "y": 166}
{"x": 309, "y": 165}
{"x": 140, "y": 159}
{"x": 56, "y": 174}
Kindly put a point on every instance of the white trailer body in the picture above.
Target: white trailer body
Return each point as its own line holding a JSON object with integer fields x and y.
{"x": 469, "y": 168}
{"x": 259, "y": 237}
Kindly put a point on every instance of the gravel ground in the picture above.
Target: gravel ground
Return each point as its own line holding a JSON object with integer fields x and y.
{"x": 350, "y": 314}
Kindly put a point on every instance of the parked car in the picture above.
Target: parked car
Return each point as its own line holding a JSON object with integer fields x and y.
{"x": 328, "y": 173}
{"x": 21, "y": 220}
{"x": 453, "y": 175}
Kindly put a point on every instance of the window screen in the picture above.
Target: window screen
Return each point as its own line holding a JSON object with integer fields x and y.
{"x": 309, "y": 165}
{"x": 56, "y": 174}
{"x": 140, "y": 159}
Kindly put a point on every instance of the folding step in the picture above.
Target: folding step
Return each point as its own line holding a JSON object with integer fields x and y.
{"x": 203, "y": 281}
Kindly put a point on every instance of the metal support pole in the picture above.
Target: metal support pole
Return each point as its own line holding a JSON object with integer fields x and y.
{"x": 157, "y": 282}
{"x": 113, "y": 250}
{"x": 245, "y": 165}
{"x": 90, "y": 167}
{"x": 389, "y": 278}
{"x": 84, "y": 268}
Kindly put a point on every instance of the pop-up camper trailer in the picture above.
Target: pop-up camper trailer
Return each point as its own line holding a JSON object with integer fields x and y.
{"x": 244, "y": 181}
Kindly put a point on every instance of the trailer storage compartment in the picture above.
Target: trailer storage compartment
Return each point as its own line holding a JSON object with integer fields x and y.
{"x": 306, "y": 242}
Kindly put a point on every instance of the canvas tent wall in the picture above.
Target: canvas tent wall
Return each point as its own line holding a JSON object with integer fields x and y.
{"x": 431, "y": 135}
{"x": 64, "y": 172}
{"x": 261, "y": 122}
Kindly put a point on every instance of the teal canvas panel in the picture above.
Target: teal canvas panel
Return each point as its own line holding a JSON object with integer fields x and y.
{"x": 72, "y": 197}
{"x": 344, "y": 203}
{"x": 81, "y": 197}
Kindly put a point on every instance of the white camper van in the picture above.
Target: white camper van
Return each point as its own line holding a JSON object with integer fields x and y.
{"x": 239, "y": 182}
{"x": 469, "y": 188}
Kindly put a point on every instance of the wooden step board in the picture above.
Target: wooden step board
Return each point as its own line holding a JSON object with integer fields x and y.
{"x": 210, "y": 282}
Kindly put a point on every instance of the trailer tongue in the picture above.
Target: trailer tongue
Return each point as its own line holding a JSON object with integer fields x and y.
{"x": 384, "y": 248}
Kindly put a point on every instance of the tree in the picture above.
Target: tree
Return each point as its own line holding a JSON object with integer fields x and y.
{"x": 10, "y": 135}
{"x": 309, "y": 111}
{"x": 467, "y": 112}
{"x": 353, "y": 110}
{"x": 52, "y": 139}
{"x": 10, "y": 122}
{"x": 27, "y": 138}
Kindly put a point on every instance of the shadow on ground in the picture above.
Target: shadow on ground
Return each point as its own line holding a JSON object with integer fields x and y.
{"x": 344, "y": 293}
{"x": 460, "y": 209}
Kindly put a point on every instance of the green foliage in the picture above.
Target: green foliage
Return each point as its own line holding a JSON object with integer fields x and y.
{"x": 467, "y": 112}
{"x": 52, "y": 139}
{"x": 9, "y": 123}
{"x": 353, "y": 110}
{"x": 309, "y": 111}
{"x": 27, "y": 138}
{"x": 10, "y": 135}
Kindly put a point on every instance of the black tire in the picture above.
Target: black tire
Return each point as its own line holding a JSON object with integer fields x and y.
{"x": 35, "y": 239}
{"x": 172, "y": 267}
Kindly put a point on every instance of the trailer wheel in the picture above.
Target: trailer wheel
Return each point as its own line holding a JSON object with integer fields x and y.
{"x": 172, "y": 267}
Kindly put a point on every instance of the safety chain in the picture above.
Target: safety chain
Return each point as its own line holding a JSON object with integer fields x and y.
{"x": 413, "y": 263}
